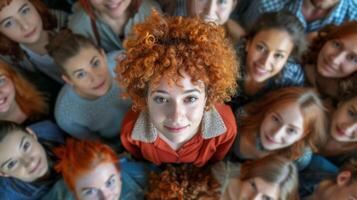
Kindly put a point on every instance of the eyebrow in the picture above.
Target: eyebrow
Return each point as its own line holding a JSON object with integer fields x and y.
{"x": 185, "y": 92}
{"x": 93, "y": 59}
{"x": 281, "y": 118}
{"x": 8, "y": 160}
{"x": 24, "y": 5}
{"x": 265, "y": 44}
{"x": 110, "y": 177}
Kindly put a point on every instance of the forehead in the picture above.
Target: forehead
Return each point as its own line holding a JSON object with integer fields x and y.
{"x": 184, "y": 83}
{"x": 82, "y": 59}
{"x": 269, "y": 189}
{"x": 10, "y": 142}
{"x": 289, "y": 110}
{"x": 350, "y": 42}
{"x": 9, "y": 7}
{"x": 274, "y": 38}
{"x": 350, "y": 102}
{"x": 97, "y": 176}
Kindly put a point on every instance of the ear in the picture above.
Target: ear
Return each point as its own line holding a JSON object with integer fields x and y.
{"x": 30, "y": 132}
{"x": 247, "y": 45}
{"x": 67, "y": 80}
{"x": 3, "y": 174}
{"x": 343, "y": 178}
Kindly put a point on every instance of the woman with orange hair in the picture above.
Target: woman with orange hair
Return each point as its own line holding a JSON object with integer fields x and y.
{"x": 20, "y": 102}
{"x": 331, "y": 62}
{"x": 177, "y": 72}
{"x": 290, "y": 121}
{"x": 107, "y": 23}
{"x": 92, "y": 170}
{"x": 25, "y": 29}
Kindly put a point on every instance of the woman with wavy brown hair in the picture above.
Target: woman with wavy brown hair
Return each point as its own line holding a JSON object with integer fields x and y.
{"x": 290, "y": 121}
{"x": 178, "y": 72}
{"x": 20, "y": 101}
{"x": 331, "y": 62}
{"x": 25, "y": 29}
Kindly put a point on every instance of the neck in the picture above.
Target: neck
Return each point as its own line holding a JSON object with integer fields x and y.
{"x": 39, "y": 46}
{"x": 116, "y": 23}
{"x": 14, "y": 114}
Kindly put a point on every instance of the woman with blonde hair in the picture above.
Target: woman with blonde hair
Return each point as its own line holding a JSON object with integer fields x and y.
{"x": 289, "y": 121}
{"x": 20, "y": 101}
{"x": 330, "y": 63}
{"x": 273, "y": 177}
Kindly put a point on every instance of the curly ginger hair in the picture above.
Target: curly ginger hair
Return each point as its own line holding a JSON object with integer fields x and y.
{"x": 167, "y": 47}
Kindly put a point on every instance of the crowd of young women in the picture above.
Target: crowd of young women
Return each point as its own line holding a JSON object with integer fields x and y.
{"x": 156, "y": 99}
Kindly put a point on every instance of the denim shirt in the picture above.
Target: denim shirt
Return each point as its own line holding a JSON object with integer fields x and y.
{"x": 292, "y": 74}
{"x": 134, "y": 177}
{"x": 48, "y": 135}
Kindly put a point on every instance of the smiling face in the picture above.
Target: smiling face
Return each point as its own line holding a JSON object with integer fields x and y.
{"x": 175, "y": 111}
{"x": 282, "y": 127}
{"x": 267, "y": 53}
{"x": 338, "y": 57}
{"x": 20, "y": 22}
{"x": 22, "y": 157}
{"x": 216, "y": 11}
{"x": 88, "y": 73}
{"x": 7, "y": 95}
{"x": 103, "y": 182}
{"x": 113, "y": 8}
{"x": 344, "y": 122}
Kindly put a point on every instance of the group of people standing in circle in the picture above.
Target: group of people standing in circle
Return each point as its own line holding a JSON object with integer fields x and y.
{"x": 162, "y": 99}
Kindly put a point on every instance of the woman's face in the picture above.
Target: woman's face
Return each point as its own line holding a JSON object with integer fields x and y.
{"x": 344, "y": 122}
{"x": 216, "y": 11}
{"x": 103, "y": 182}
{"x": 88, "y": 73}
{"x": 267, "y": 54}
{"x": 22, "y": 157}
{"x": 112, "y": 8}
{"x": 258, "y": 189}
{"x": 338, "y": 57}
{"x": 20, "y": 22}
{"x": 7, "y": 94}
{"x": 282, "y": 126}
{"x": 177, "y": 111}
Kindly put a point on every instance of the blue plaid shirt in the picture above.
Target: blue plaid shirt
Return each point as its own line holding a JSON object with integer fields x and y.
{"x": 345, "y": 10}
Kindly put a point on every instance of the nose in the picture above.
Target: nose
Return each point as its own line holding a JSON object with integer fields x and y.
{"x": 24, "y": 24}
{"x": 338, "y": 58}
{"x": 278, "y": 134}
{"x": 210, "y": 8}
{"x": 266, "y": 60}
{"x": 177, "y": 112}
{"x": 27, "y": 160}
{"x": 351, "y": 128}
{"x": 104, "y": 194}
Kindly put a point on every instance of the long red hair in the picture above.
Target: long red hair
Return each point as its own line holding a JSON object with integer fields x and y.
{"x": 32, "y": 102}
{"x": 312, "y": 111}
{"x": 12, "y": 48}
{"x": 78, "y": 157}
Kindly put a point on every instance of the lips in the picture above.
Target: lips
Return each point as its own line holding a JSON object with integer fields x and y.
{"x": 340, "y": 132}
{"x": 37, "y": 166}
{"x": 260, "y": 71}
{"x": 31, "y": 33}
{"x": 176, "y": 128}
{"x": 113, "y": 6}
{"x": 3, "y": 103}
{"x": 99, "y": 86}
{"x": 327, "y": 66}
{"x": 270, "y": 139}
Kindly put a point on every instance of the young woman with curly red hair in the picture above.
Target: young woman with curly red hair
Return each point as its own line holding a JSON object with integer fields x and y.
{"x": 177, "y": 72}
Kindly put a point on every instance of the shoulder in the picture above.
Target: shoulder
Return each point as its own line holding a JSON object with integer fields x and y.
{"x": 48, "y": 130}
{"x": 227, "y": 115}
{"x": 129, "y": 123}
{"x": 79, "y": 21}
